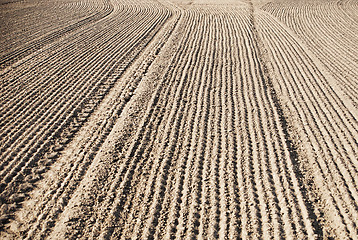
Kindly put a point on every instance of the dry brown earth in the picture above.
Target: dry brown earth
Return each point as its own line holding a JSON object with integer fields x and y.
{"x": 178, "y": 119}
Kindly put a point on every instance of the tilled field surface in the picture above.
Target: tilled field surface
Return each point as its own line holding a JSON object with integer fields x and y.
{"x": 178, "y": 119}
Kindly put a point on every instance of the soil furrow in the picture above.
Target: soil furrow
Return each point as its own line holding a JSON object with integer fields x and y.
{"x": 178, "y": 119}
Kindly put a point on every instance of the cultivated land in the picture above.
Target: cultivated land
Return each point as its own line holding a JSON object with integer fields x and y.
{"x": 178, "y": 119}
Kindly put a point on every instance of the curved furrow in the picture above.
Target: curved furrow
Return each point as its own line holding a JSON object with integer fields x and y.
{"x": 311, "y": 22}
{"x": 315, "y": 132}
{"x": 107, "y": 70}
{"x": 63, "y": 76}
{"x": 265, "y": 150}
{"x": 69, "y": 44}
{"x": 179, "y": 120}
{"x": 42, "y": 14}
{"x": 202, "y": 201}
{"x": 338, "y": 107}
{"x": 136, "y": 148}
{"x": 338, "y": 114}
{"x": 25, "y": 150}
{"x": 350, "y": 8}
{"x": 277, "y": 144}
{"x": 39, "y": 20}
{"x": 92, "y": 61}
{"x": 72, "y": 179}
{"x": 18, "y": 54}
{"x": 69, "y": 111}
{"x": 96, "y": 40}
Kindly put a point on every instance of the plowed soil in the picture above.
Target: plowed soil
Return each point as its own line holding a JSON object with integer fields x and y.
{"x": 178, "y": 119}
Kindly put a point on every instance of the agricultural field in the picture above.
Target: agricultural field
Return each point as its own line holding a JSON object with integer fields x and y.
{"x": 178, "y": 119}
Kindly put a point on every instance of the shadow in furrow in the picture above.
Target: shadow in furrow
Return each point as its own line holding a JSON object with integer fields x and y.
{"x": 290, "y": 145}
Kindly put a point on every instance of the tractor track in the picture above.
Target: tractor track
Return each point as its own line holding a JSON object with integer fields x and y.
{"x": 179, "y": 120}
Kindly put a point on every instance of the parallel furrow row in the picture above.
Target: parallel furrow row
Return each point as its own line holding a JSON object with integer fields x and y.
{"x": 323, "y": 122}
{"x": 40, "y": 132}
{"x": 33, "y": 23}
{"x": 211, "y": 157}
{"x": 329, "y": 34}
{"x": 151, "y": 121}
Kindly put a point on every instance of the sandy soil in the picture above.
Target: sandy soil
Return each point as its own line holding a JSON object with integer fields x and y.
{"x": 178, "y": 119}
